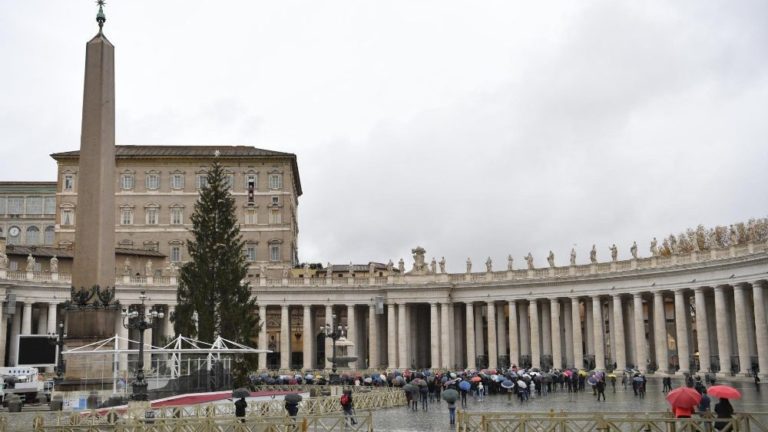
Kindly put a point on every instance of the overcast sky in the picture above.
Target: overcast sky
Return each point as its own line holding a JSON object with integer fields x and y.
{"x": 470, "y": 128}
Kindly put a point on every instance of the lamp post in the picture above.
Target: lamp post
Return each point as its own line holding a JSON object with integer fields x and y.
{"x": 140, "y": 320}
{"x": 335, "y": 332}
{"x": 58, "y": 340}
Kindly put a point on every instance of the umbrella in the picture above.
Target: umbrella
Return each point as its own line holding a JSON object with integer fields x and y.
{"x": 507, "y": 384}
{"x": 522, "y": 384}
{"x": 410, "y": 388}
{"x": 241, "y": 393}
{"x": 568, "y": 373}
{"x": 465, "y": 385}
{"x": 683, "y": 397}
{"x": 293, "y": 398}
{"x": 450, "y": 395}
{"x": 476, "y": 379}
{"x": 419, "y": 382}
{"x": 724, "y": 392}
{"x": 611, "y": 375}
{"x": 637, "y": 379}
{"x": 582, "y": 372}
{"x": 399, "y": 380}
{"x": 453, "y": 375}
{"x": 444, "y": 379}
{"x": 368, "y": 380}
{"x": 592, "y": 381}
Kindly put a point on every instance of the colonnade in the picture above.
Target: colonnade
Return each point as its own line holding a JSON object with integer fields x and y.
{"x": 718, "y": 328}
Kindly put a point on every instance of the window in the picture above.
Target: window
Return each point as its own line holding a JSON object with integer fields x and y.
{"x": 175, "y": 253}
{"x": 153, "y": 181}
{"x": 275, "y": 181}
{"x": 67, "y": 217}
{"x": 49, "y": 235}
{"x": 274, "y": 217}
{"x": 15, "y": 205}
{"x": 34, "y": 205}
{"x": 229, "y": 180}
{"x": 151, "y": 215}
{"x": 126, "y": 216}
{"x": 177, "y": 216}
{"x": 126, "y": 181}
{"x": 69, "y": 182}
{"x": 152, "y": 245}
{"x": 13, "y": 266}
{"x": 202, "y": 181}
{"x": 177, "y": 181}
{"x": 50, "y": 205}
{"x": 250, "y": 253}
{"x": 14, "y": 235}
{"x": 2, "y": 206}
{"x": 251, "y": 217}
{"x": 275, "y": 200}
{"x": 33, "y": 235}
{"x": 274, "y": 252}
{"x": 252, "y": 181}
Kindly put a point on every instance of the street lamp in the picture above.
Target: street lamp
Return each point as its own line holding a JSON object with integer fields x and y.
{"x": 335, "y": 332}
{"x": 58, "y": 340}
{"x": 139, "y": 320}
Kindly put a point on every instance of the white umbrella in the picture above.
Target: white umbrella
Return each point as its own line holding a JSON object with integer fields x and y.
{"x": 522, "y": 384}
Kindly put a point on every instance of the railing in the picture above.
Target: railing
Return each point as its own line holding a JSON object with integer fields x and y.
{"x": 250, "y": 423}
{"x": 617, "y": 421}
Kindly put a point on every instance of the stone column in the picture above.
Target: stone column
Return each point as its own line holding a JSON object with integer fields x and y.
{"x": 263, "y": 336}
{"x": 514, "y": 350}
{"x": 742, "y": 339}
{"x": 402, "y": 336}
{"x": 352, "y": 334}
{"x": 42, "y": 322}
{"x": 285, "y": 338}
{"x": 307, "y": 337}
{"x": 545, "y": 321}
{"x": 723, "y": 320}
{"x": 568, "y": 322}
{"x": 702, "y": 332}
{"x": 434, "y": 336}
{"x": 15, "y": 330}
{"x": 618, "y": 332}
{"x": 535, "y": 334}
{"x": 391, "y": 336}
{"x": 328, "y": 341}
{"x": 3, "y": 335}
{"x": 26, "y": 319}
{"x": 501, "y": 331}
{"x": 589, "y": 326}
{"x": 660, "y": 332}
{"x": 761, "y": 326}
{"x": 148, "y": 365}
{"x": 479, "y": 333}
{"x": 641, "y": 353}
{"x": 557, "y": 354}
{"x": 51, "y": 318}
{"x": 470, "y": 335}
{"x": 597, "y": 327}
{"x": 374, "y": 360}
{"x": 681, "y": 332}
{"x": 578, "y": 347}
{"x": 445, "y": 342}
{"x": 169, "y": 331}
{"x": 525, "y": 331}
{"x": 493, "y": 354}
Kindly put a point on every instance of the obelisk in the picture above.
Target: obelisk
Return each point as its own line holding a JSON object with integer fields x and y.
{"x": 94, "y": 262}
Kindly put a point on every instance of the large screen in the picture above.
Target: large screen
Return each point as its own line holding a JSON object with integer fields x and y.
{"x": 36, "y": 350}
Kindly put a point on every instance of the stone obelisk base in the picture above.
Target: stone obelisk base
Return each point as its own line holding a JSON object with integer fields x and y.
{"x": 89, "y": 371}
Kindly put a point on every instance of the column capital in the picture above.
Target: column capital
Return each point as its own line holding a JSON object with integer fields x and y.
{"x": 637, "y": 295}
{"x": 698, "y": 289}
{"x": 616, "y": 295}
{"x": 657, "y": 294}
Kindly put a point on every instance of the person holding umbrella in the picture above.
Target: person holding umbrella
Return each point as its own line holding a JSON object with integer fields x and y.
{"x": 450, "y": 396}
{"x": 723, "y": 408}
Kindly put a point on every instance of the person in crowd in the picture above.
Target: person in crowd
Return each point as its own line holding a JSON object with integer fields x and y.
{"x": 723, "y": 410}
{"x": 600, "y": 387}
{"x": 240, "y": 406}
{"x": 348, "y": 406}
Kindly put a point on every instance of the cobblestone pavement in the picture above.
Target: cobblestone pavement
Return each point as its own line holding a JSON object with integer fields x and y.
{"x": 436, "y": 417}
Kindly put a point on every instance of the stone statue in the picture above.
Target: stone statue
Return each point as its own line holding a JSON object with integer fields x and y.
{"x": 329, "y": 270}
{"x": 3, "y": 261}
{"x": 54, "y": 264}
{"x": 469, "y": 265}
{"x": 306, "y": 269}
{"x": 673, "y": 244}
{"x": 433, "y": 266}
{"x": 285, "y": 272}
{"x": 148, "y": 268}
{"x": 665, "y": 249}
{"x": 734, "y": 236}
{"x": 419, "y": 263}
{"x": 593, "y": 255}
{"x": 351, "y": 269}
{"x": 573, "y": 256}
{"x": 127, "y": 267}
{"x": 551, "y": 259}
{"x": 654, "y": 247}
{"x": 529, "y": 260}
{"x": 442, "y": 265}
{"x": 30, "y": 263}
{"x": 489, "y": 265}
{"x": 401, "y": 266}
{"x": 390, "y": 267}
{"x": 173, "y": 269}
{"x": 614, "y": 252}
{"x": 510, "y": 263}
{"x": 633, "y": 250}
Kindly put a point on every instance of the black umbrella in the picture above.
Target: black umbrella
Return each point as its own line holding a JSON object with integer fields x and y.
{"x": 241, "y": 393}
{"x": 293, "y": 398}
{"x": 450, "y": 395}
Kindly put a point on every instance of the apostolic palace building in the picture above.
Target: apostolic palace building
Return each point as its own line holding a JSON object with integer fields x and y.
{"x": 695, "y": 302}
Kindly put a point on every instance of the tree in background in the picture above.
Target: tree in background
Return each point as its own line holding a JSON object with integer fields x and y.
{"x": 213, "y": 283}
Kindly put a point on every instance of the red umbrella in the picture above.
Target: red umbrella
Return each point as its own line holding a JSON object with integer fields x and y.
{"x": 724, "y": 392}
{"x": 683, "y": 397}
{"x": 476, "y": 379}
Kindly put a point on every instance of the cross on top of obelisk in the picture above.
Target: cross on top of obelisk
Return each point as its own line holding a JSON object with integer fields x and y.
{"x": 100, "y": 17}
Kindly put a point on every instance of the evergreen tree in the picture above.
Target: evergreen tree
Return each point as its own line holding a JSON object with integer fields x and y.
{"x": 213, "y": 283}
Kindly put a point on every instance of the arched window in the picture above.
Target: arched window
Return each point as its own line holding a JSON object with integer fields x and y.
{"x": 33, "y": 235}
{"x": 49, "y": 235}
